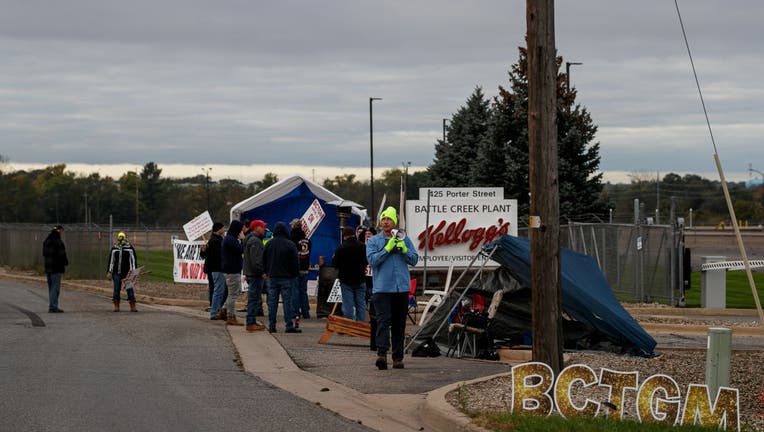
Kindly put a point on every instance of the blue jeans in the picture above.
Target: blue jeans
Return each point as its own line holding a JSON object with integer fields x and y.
{"x": 115, "y": 295}
{"x": 300, "y": 304}
{"x": 354, "y": 301}
{"x": 54, "y": 288}
{"x": 285, "y": 287}
{"x": 254, "y": 298}
{"x": 391, "y": 311}
{"x": 218, "y": 280}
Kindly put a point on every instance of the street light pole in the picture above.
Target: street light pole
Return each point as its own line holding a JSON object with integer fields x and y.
{"x": 444, "y": 130}
{"x": 567, "y": 73}
{"x": 206, "y": 172}
{"x": 371, "y": 156}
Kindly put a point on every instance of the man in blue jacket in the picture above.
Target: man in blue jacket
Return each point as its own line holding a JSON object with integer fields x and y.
{"x": 282, "y": 270}
{"x": 231, "y": 263}
{"x": 389, "y": 256}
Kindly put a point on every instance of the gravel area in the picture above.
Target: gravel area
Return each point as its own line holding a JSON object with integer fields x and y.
{"x": 686, "y": 367}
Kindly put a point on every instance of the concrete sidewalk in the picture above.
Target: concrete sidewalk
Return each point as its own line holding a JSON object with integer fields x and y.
{"x": 341, "y": 376}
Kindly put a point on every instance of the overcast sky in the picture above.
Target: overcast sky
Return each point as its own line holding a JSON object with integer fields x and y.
{"x": 288, "y": 82}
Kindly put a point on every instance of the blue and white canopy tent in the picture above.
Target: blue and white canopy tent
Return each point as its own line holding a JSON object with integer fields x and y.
{"x": 289, "y": 199}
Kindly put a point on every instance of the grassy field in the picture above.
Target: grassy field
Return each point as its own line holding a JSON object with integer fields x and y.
{"x": 739, "y": 294}
{"x": 525, "y": 423}
{"x": 159, "y": 264}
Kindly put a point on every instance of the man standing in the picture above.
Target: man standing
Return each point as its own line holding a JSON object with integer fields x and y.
{"x": 281, "y": 268}
{"x": 389, "y": 256}
{"x": 300, "y": 304}
{"x": 122, "y": 259}
{"x": 253, "y": 270}
{"x": 211, "y": 252}
{"x": 350, "y": 261}
{"x": 231, "y": 262}
{"x": 54, "y": 253}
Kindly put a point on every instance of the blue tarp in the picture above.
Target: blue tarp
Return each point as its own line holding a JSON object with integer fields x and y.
{"x": 586, "y": 295}
{"x": 289, "y": 199}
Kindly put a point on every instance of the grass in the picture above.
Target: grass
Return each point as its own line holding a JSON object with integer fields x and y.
{"x": 505, "y": 422}
{"x": 739, "y": 294}
{"x": 159, "y": 265}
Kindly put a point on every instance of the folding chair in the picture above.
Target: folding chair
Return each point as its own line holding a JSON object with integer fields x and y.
{"x": 412, "y": 302}
{"x": 436, "y": 296}
{"x": 464, "y": 337}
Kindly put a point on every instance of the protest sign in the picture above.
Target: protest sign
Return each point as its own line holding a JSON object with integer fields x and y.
{"x": 188, "y": 265}
{"x": 312, "y": 217}
{"x": 198, "y": 226}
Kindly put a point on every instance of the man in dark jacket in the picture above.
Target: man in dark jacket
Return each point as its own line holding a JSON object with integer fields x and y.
{"x": 211, "y": 252}
{"x": 300, "y": 304}
{"x": 282, "y": 269}
{"x": 122, "y": 259}
{"x": 254, "y": 270}
{"x": 231, "y": 262}
{"x": 54, "y": 252}
{"x": 350, "y": 261}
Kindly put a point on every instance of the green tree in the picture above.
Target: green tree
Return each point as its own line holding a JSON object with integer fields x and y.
{"x": 268, "y": 180}
{"x": 454, "y": 162}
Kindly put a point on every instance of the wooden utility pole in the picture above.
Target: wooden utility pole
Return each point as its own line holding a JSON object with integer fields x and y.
{"x": 544, "y": 184}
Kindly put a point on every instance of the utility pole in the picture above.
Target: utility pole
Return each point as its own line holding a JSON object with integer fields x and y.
{"x": 544, "y": 201}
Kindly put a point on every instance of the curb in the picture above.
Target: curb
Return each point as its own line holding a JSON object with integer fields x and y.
{"x": 437, "y": 414}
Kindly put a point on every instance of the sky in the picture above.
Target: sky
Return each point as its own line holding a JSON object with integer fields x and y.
{"x": 248, "y": 87}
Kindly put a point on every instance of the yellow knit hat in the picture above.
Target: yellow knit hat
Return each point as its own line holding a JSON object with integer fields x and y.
{"x": 390, "y": 213}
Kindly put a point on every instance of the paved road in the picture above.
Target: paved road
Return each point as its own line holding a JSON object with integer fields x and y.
{"x": 90, "y": 369}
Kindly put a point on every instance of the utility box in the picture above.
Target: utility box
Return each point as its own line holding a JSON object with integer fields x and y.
{"x": 713, "y": 285}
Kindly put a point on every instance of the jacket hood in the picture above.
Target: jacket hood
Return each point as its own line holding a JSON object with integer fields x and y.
{"x": 235, "y": 228}
{"x": 280, "y": 230}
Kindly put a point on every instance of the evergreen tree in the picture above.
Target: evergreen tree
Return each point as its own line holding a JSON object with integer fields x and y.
{"x": 455, "y": 158}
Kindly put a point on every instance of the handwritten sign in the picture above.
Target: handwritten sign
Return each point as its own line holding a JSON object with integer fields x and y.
{"x": 188, "y": 265}
{"x": 131, "y": 280}
{"x": 198, "y": 226}
{"x": 312, "y": 217}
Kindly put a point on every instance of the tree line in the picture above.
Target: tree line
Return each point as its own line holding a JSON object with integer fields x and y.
{"x": 485, "y": 144}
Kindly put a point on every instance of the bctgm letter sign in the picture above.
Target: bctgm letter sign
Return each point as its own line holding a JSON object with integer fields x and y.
{"x": 460, "y": 222}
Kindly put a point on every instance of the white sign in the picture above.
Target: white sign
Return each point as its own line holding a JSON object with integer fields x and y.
{"x": 131, "y": 280}
{"x": 188, "y": 265}
{"x": 198, "y": 226}
{"x": 335, "y": 296}
{"x": 312, "y": 217}
{"x": 461, "y": 221}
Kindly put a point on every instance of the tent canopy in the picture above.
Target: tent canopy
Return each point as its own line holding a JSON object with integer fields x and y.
{"x": 597, "y": 319}
{"x": 289, "y": 199}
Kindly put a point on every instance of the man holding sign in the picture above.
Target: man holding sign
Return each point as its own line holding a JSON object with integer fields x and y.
{"x": 122, "y": 259}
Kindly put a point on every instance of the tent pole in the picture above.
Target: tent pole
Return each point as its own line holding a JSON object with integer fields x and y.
{"x": 458, "y": 301}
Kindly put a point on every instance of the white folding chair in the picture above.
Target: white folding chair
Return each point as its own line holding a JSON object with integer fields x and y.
{"x": 436, "y": 296}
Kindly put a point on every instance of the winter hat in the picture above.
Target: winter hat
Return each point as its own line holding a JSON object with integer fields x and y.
{"x": 235, "y": 228}
{"x": 390, "y": 213}
{"x": 216, "y": 226}
{"x": 121, "y": 235}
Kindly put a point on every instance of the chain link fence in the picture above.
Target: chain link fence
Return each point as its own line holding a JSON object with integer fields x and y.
{"x": 87, "y": 246}
{"x": 640, "y": 262}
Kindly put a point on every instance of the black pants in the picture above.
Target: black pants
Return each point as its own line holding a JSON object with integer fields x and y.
{"x": 391, "y": 311}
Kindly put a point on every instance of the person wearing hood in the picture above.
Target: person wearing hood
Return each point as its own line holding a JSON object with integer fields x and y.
{"x": 300, "y": 304}
{"x": 231, "y": 264}
{"x": 122, "y": 259}
{"x": 54, "y": 253}
{"x": 390, "y": 255}
{"x": 282, "y": 270}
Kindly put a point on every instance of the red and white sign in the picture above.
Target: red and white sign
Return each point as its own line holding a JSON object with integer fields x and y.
{"x": 198, "y": 226}
{"x": 312, "y": 217}
{"x": 460, "y": 222}
{"x": 188, "y": 265}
